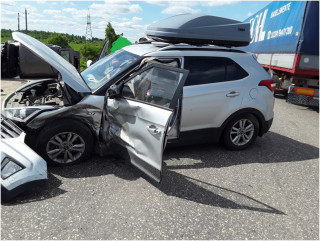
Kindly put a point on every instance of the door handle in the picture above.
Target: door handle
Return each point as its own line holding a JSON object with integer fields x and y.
{"x": 233, "y": 94}
{"x": 153, "y": 130}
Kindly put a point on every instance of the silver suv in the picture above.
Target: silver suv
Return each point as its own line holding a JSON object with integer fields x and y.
{"x": 133, "y": 101}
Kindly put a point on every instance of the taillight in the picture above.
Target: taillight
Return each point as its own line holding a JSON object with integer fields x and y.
{"x": 270, "y": 84}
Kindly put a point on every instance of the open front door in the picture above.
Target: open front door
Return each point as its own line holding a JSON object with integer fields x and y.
{"x": 139, "y": 116}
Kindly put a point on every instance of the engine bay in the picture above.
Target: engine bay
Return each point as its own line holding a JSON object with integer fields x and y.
{"x": 37, "y": 93}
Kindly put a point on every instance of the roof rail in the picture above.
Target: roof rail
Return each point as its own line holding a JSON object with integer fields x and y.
{"x": 199, "y": 47}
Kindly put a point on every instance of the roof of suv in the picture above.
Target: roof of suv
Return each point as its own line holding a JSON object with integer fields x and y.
{"x": 148, "y": 47}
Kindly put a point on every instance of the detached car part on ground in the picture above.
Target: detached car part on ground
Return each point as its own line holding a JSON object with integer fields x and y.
{"x": 21, "y": 167}
{"x": 135, "y": 100}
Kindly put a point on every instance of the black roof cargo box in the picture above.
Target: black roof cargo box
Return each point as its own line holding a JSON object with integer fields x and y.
{"x": 200, "y": 29}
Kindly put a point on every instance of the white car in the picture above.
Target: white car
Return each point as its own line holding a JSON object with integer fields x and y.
{"x": 21, "y": 167}
{"x": 133, "y": 101}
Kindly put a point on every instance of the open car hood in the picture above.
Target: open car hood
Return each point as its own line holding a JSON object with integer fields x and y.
{"x": 68, "y": 72}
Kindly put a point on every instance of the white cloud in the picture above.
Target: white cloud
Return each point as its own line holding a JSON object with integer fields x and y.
{"x": 175, "y": 9}
{"x": 29, "y": 8}
{"x": 8, "y": 2}
{"x": 51, "y": 11}
{"x": 250, "y": 14}
{"x": 131, "y": 24}
{"x": 69, "y": 10}
{"x": 76, "y": 13}
{"x": 115, "y": 8}
{"x": 181, "y": 7}
{"x": 35, "y": 15}
{"x": 136, "y": 19}
{"x": 7, "y": 13}
{"x": 158, "y": 2}
{"x": 218, "y": 2}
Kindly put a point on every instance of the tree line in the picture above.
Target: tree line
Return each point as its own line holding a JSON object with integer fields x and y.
{"x": 88, "y": 49}
{"x": 44, "y": 35}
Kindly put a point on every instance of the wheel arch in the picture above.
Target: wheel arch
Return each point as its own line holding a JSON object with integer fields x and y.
{"x": 256, "y": 113}
{"x": 71, "y": 155}
{"x": 32, "y": 134}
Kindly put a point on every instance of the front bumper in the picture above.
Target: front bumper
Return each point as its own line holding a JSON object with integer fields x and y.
{"x": 33, "y": 168}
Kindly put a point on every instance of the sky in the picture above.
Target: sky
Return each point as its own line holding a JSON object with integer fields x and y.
{"x": 128, "y": 17}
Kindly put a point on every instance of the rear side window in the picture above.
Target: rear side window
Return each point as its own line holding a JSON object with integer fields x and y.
{"x": 208, "y": 70}
{"x": 234, "y": 71}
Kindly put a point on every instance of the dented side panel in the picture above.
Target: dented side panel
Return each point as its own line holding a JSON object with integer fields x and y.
{"x": 89, "y": 111}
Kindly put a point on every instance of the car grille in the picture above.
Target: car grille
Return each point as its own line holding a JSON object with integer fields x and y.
{"x": 9, "y": 129}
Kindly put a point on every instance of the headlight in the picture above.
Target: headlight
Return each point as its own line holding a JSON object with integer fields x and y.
{"x": 20, "y": 113}
{"x": 9, "y": 167}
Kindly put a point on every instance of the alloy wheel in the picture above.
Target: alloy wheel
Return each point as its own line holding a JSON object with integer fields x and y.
{"x": 241, "y": 132}
{"x": 65, "y": 147}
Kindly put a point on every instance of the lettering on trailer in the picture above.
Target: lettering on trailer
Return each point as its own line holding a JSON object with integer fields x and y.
{"x": 281, "y": 10}
{"x": 280, "y": 32}
{"x": 256, "y": 27}
{"x": 258, "y": 22}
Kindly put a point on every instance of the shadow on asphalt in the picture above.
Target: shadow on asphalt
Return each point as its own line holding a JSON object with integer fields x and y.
{"x": 272, "y": 148}
{"x": 175, "y": 184}
{"x": 49, "y": 190}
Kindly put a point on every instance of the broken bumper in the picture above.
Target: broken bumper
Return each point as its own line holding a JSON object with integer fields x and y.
{"x": 21, "y": 167}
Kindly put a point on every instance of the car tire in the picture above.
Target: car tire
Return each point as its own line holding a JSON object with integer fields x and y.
{"x": 65, "y": 143}
{"x": 241, "y": 132}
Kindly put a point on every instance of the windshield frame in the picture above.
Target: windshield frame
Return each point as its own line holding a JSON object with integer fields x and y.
{"x": 104, "y": 62}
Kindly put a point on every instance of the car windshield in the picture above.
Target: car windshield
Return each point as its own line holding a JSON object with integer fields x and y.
{"x": 105, "y": 69}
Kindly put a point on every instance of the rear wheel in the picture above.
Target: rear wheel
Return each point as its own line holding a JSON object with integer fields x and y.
{"x": 65, "y": 143}
{"x": 241, "y": 132}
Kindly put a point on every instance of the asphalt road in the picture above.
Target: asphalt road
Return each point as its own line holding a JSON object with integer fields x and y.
{"x": 270, "y": 191}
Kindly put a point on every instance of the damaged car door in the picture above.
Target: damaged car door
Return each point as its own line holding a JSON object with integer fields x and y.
{"x": 139, "y": 110}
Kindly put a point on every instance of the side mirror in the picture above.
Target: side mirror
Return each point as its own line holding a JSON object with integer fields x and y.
{"x": 114, "y": 91}
{"x": 89, "y": 62}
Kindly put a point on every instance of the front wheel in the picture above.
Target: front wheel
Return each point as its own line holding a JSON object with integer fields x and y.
{"x": 241, "y": 132}
{"x": 65, "y": 143}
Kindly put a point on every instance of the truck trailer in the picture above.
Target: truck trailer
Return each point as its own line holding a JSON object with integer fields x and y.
{"x": 285, "y": 40}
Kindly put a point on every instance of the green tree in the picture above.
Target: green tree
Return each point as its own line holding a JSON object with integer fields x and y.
{"x": 90, "y": 51}
{"x": 58, "y": 39}
{"x": 111, "y": 35}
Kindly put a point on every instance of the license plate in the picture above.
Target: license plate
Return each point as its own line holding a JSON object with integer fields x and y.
{"x": 305, "y": 91}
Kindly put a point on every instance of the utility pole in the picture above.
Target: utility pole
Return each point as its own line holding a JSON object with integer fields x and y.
{"x": 25, "y": 13}
{"x": 18, "y": 21}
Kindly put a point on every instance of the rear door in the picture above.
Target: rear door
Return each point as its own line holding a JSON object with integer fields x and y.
{"x": 213, "y": 91}
{"x": 138, "y": 118}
